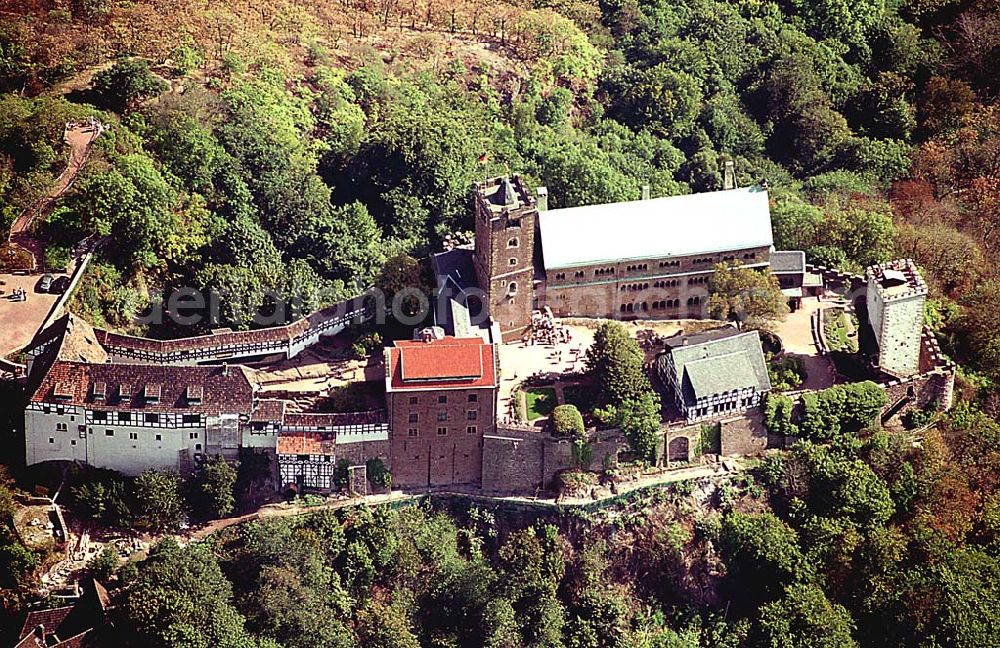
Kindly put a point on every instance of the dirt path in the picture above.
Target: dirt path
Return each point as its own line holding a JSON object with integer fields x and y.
{"x": 80, "y": 138}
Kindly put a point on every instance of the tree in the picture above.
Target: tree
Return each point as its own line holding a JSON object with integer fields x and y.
{"x": 746, "y": 296}
{"x": 616, "y": 360}
{"x": 103, "y": 565}
{"x": 803, "y": 617}
{"x": 210, "y": 492}
{"x": 778, "y": 415}
{"x": 182, "y": 593}
{"x": 762, "y": 555}
{"x": 126, "y": 83}
{"x": 158, "y": 502}
{"x": 639, "y": 420}
{"x": 567, "y": 421}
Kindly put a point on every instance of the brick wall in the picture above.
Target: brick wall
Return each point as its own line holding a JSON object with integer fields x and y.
{"x": 428, "y": 458}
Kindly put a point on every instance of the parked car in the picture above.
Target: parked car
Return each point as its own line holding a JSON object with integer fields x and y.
{"x": 46, "y": 283}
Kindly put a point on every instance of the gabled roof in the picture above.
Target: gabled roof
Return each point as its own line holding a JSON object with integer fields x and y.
{"x": 448, "y": 362}
{"x": 661, "y": 227}
{"x": 306, "y": 443}
{"x": 788, "y": 262}
{"x": 130, "y": 387}
{"x": 717, "y": 362}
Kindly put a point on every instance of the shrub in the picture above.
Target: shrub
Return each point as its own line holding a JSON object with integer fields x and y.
{"x": 778, "y": 415}
{"x": 378, "y": 474}
{"x": 567, "y": 421}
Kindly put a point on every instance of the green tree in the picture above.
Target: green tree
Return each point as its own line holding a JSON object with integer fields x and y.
{"x": 126, "y": 83}
{"x": 159, "y": 505}
{"x": 804, "y": 617}
{"x": 751, "y": 298}
{"x": 210, "y": 492}
{"x": 182, "y": 593}
{"x": 103, "y": 565}
{"x": 762, "y": 555}
{"x": 616, "y": 360}
{"x": 778, "y": 411}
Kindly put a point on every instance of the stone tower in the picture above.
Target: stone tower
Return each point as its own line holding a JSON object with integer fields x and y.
{"x": 896, "y": 296}
{"x": 504, "y": 254}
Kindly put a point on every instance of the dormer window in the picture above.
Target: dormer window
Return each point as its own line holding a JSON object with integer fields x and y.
{"x": 63, "y": 390}
{"x": 99, "y": 391}
{"x": 194, "y": 394}
{"x": 152, "y": 394}
{"x": 124, "y": 391}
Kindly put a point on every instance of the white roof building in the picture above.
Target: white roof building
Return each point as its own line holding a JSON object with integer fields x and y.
{"x": 703, "y": 223}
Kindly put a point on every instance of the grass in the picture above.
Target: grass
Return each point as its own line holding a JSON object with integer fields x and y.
{"x": 540, "y": 402}
{"x": 835, "y": 326}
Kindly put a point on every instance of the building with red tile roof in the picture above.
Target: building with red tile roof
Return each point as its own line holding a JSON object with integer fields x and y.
{"x": 441, "y": 394}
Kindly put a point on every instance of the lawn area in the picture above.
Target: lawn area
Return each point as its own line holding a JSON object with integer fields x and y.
{"x": 837, "y": 327}
{"x": 539, "y": 401}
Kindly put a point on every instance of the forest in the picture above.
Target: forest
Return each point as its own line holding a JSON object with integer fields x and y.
{"x": 305, "y": 149}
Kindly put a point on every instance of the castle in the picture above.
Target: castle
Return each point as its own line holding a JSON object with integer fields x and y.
{"x": 131, "y": 403}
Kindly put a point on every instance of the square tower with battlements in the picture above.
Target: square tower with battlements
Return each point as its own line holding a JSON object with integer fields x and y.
{"x": 896, "y": 297}
{"x": 504, "y": 254}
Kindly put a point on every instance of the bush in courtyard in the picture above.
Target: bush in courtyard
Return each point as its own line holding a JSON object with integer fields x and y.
{"x": 567, "y": 421}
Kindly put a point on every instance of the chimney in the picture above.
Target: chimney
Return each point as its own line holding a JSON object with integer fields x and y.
{"x": 728, "y": 175}
{"x": 645, "y": 192}
{"x": 542, "y": 200}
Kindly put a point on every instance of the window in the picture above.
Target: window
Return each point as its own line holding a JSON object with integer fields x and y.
{"x": 512, "y": 243}
{"x": 512, "y": 261}
{"x": 442, "y": 398}
{"x": 473, "y": 398}
{"x": 191, "y": 418}
{"x": 442, "y": 416}
{"x": 192, "y": 435}
{"x": 46, "y": 409}
{"x": 414, "y": 400}
{"x": 413, "y": 417}
{"x": 51, "y": 440}
{"x": 100, "y": 416}
{"x": 109, "y": 433}
{"x": 470, "y": 429}
{"x": 125, "y": 416}
{"x": 560, "y": 275}
{"x": 197, "y": 446}
{"x": 442, "y": 431}
{"x": 61, "y": 427}
{"x": 151, "y": 418}
{"x": 411, "y": 432}
{"x": 159, "y": 437}
{"x": 512, "y": 288}
{"x": 133, "y": 435}
{"x": 72, "y": 442}
{"x": 471, "y": 415}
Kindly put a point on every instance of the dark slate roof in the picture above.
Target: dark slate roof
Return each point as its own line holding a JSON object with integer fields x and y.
{"x": 788, "y": 261}
{"x": 454, "y": 267}
{"x": 505, "y": 195}
{"x": 718, "y": 361}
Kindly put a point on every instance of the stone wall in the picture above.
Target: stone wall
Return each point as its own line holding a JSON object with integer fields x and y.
{"x": 744, "y": 436}
{"x": 518, "y": 460}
